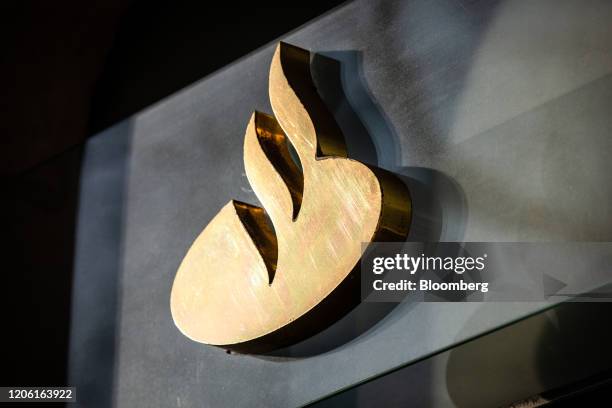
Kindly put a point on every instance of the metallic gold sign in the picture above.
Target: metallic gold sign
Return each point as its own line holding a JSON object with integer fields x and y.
{"x": 259, "y": 278}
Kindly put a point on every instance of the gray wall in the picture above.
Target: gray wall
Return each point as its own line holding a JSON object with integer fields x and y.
{"x": 496, "y": 113}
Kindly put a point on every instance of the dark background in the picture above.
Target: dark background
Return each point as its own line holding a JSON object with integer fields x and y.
{"x": 70, "y": 69}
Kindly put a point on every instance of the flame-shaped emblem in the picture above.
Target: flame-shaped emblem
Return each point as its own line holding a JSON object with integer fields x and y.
{"x": 259, "y": 278}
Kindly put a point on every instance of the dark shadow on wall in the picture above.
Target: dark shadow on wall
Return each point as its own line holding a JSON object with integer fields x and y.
{"x": 38, "y": 209}
{"x": 162, "y": 47}
{"x": 540, "y": 357}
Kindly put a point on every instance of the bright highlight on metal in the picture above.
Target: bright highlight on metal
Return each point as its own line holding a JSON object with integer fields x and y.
{"x": 256, "y": 279}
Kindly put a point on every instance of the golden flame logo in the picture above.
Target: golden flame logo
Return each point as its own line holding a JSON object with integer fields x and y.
{"x": 259, "y": 278}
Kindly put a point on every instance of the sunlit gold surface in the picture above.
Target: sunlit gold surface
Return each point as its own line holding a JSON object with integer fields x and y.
{"x": 248, "y": 285}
